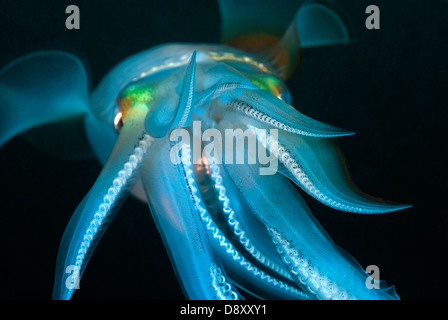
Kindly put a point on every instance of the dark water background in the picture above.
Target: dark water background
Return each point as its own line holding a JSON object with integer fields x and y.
{"x": 390, "y": 87}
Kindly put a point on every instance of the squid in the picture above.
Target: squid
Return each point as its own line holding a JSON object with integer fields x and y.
{"x": 229, "y": 229}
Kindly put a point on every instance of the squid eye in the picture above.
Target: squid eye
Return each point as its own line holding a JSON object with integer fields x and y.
{"x": 118, "y": 122}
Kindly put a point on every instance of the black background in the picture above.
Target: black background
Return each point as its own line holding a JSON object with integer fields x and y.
{"x": 389, "y": 86}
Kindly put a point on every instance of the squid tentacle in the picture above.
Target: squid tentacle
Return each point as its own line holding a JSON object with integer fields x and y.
{"x": 173, "y": 106}
{"x": 306, "y": 273}
{"x": 229, "y": 293}
{"x": 98, "y": 208}
{"x": 119, "y": 183}
{"x": 92, "y": 217}
{"x": 285, "y": 213}
{"x": 268, "y": 109}
{"x": 234, "y": 262}
{"x": 245, "y": 108}
{"x": 261, "y": 105}
{"x": 238, "y": 230}
{"x": 349, "y": 202}
{"x": 250, "y": 269}
{"x": 222, "y": 286}
{"x": 176, "y": 208}
{"x": 186, "y": 98}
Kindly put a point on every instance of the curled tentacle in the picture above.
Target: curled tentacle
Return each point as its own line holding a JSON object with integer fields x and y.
{"x": 318, "y": 167}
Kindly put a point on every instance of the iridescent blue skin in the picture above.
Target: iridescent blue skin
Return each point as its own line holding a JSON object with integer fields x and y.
{"x": 227, "y": 228}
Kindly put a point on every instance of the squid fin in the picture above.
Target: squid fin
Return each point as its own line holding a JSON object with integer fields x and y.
{"x": 41, "y": 88}
{"x": 277, "y": 32}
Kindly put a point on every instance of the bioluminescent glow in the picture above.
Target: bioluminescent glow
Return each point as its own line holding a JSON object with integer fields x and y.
{"x": 227, "y": 228}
